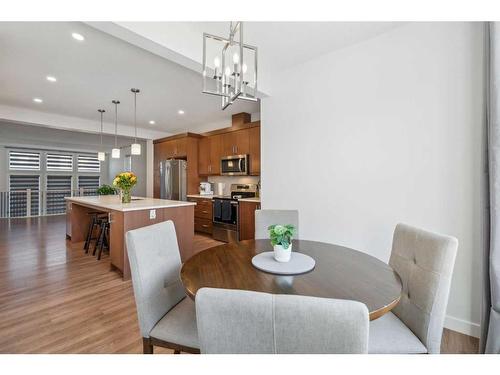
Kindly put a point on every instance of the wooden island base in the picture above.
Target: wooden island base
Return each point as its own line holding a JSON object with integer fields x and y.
{"x": 121, "y": 221}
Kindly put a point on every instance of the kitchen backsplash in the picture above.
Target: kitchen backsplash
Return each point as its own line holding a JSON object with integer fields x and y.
{"x": 228, "y": 180}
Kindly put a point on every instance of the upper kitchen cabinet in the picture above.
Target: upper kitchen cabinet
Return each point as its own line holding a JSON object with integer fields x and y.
{"x": 175, "y": 148}
{"x": 209, "y": 155}
{"x": 254, "y": 139}
{"x": 215, "y": 153}
{"x": 236, "y": 142}
{"x": 204, "y": 156}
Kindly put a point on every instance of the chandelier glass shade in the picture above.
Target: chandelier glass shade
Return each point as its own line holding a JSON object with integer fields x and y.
{"x": 229, "y": 66}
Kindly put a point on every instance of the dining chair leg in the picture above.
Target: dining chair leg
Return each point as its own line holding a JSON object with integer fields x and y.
{"x": 147, "y": 347}
{"x": 177, "y": 352}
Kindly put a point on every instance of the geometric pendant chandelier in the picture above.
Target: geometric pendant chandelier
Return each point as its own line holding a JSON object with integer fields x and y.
{"x": 229, "y": 66}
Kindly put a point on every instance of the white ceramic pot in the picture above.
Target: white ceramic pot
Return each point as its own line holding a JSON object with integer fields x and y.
{"x": 281, "y": 254}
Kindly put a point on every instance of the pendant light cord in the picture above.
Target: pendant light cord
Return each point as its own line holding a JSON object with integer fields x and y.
{"x": 135, "y": 116}
{"x": 116, "y": 123}
{"x": 101, "y": 130}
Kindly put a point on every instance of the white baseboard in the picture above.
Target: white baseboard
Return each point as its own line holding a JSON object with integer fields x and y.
{"x": 462, "y": 326}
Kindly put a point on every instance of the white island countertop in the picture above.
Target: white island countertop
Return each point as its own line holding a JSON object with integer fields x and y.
{"x": 113, "y": 203}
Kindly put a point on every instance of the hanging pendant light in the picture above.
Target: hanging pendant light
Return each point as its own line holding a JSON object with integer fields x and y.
{"x": 101, "y": 156}
{"x": 135, "y": 148}
{"x": 115, "y": 153}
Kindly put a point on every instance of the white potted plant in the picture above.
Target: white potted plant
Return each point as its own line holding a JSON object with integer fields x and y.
{"x": 281, "y": 239}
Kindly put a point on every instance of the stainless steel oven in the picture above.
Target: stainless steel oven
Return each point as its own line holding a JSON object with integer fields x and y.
{"x": 225, "y": 212}
{"x": 234, "y": 165}
{"x": 225, "y": 219}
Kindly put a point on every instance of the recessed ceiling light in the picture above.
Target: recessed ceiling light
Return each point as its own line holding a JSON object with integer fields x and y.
{"x": 152, "y": 122}
{"x": 37, "y": 100}
{"x": 180, "y": 112}
{"x": 78, "y": 37}
{"x": 51, "y": 79}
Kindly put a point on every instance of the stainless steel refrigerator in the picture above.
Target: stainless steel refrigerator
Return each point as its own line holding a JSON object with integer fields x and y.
{"x": 173, "y": 179}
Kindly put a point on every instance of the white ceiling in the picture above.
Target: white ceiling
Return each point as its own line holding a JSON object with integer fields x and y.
{"x": 166, "y": 67}
{"x": 281, "y": 44}
{"x": 93, "y": 72}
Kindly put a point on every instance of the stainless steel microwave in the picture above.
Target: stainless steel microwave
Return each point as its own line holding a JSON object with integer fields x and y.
{"x": 234, "y": 165}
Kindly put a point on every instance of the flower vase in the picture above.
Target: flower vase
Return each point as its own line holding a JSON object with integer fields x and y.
{"x": 126, "y": 197}
{"x": 281, "y": 254}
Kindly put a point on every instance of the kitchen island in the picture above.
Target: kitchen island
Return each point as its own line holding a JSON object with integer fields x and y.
{"x": 123, "y": 217}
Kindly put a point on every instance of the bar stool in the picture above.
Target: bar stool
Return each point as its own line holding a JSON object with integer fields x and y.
{"x": 94, "y": 223}
{"x": 103, "y": 238}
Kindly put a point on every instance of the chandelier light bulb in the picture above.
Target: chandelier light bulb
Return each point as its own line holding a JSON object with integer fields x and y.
{"x": 216, "y": 62}
{"x": 236, "y": 58}
{"x": 227, "y": 71}
{"x": 115, "y": 153}
{"x": 101, "y": 156}
{"x": 244, "y": 68}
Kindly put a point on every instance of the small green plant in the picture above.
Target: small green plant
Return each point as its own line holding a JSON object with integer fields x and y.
{"x": 106, "y": 190}
{"x": 281, "y": 234}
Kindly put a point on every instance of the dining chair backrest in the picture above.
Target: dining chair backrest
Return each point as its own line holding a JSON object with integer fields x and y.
{"x": 266, "y": 218}
{"x": 240, "y": 321}
{"x": 424, "y": 261}
{"x": 155, "y": 263}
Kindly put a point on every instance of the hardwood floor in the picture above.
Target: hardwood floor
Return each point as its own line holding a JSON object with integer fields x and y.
{"x": 56, "y": 299}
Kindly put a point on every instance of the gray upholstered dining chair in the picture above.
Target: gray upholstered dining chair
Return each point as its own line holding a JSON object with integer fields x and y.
{"x": 166, "y": 317}
{"x": 265, "y": 218}
{"x": 424, "y": 261}
{"x": 240, "y": 321}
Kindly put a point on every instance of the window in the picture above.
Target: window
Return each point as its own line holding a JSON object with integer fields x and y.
{"x": 18, "y": 185}
{"x": 59, "y": 162}
{"x": 88, "y": 163}
{"x": 58, "y": 187}
{"x": 24, "y": 160}
{"x": 89, "y": 183}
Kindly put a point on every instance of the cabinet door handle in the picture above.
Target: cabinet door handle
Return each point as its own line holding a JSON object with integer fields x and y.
{"x": 204, "y": 225}
{"x": 205, "y": 212}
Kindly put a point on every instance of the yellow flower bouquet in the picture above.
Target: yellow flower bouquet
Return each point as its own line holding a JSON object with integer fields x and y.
{"x": 125, "y": 181}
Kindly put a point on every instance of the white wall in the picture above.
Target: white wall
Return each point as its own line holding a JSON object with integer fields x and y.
{"x": 389, "y": 130}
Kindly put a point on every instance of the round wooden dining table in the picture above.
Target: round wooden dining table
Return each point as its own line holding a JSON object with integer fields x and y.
{"x": 339, "y": 272}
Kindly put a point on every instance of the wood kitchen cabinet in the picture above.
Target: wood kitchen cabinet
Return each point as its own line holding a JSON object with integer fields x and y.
{"x": 215, "y": 154}
{"x": 176, "y": 148}
{"x": 254, "y": 139}
{"x": 209, "y": 155}
{"x": 236, "y": 142}
{"x": 246, "y": 219}
{"x": 204, "y": 156}
{"x": 202, "y": 215}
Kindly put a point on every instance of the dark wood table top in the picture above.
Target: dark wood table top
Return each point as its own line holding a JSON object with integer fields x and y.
{"x": 340, "y": 273}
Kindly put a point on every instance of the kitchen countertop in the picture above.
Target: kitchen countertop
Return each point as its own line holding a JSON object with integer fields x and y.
{"x": 211, "y": 196}
{"x": 256, "y": 199}
{"x": 113, "y": 203}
